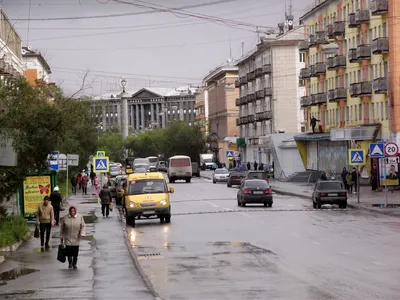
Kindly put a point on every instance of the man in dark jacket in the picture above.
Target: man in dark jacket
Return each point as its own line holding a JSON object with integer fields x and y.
{"x": 56, "y": 199}
{"x": 74, "y": 183}
{"x": 105, "y": 197}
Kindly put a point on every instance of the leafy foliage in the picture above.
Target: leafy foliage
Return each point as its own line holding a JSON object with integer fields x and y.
{"x": 38, "y": 125}
{"x": 12, "y": 229}
{"x": 177, "y": 138}
{"x": 112, "y": 143}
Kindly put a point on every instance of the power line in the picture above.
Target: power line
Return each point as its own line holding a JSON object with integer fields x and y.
{"x": 119, "y": 15}
{"x": 154, "y": 47}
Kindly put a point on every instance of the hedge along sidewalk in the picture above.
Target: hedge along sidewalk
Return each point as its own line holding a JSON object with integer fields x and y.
{"x": 14, "y": 230}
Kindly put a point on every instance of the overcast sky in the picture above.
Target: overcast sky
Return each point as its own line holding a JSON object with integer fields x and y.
{"x": 159, "y": 49}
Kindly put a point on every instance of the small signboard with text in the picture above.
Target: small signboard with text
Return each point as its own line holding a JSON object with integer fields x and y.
{"x": 35, "y": 188}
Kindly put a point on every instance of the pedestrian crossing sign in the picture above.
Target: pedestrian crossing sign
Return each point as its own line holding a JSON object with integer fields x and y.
{"x": 101, "y": 153}
{"x": 376, "y": 150}
{"x": 101, "y": 164}
{"x": 229, "y": 154}
{"x": 356, "y": 157}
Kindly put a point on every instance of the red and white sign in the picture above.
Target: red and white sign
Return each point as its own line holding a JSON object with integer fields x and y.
{"x": 391, "y": 149}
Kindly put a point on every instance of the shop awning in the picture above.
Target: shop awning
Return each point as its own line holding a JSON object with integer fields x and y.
{"x": 313, "y": 137}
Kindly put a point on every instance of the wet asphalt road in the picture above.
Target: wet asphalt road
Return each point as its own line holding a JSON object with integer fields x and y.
{"x": 215, "y": 250}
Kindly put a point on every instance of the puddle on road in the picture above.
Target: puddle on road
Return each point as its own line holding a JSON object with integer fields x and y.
{"x": 90, "y": 219}
{"x": 14, "y": 274}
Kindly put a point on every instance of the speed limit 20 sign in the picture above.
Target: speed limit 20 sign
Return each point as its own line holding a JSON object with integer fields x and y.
{"x": 391, "y": 149}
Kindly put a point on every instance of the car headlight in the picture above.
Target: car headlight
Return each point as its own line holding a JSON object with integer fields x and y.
{"x": 163, "y": 202}
{"x": 132, "y": 204}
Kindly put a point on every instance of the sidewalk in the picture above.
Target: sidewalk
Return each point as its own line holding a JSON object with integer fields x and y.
{"x": 368, "y": 198}
{"x": 105, "y": 267}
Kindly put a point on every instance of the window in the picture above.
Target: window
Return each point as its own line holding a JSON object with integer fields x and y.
{"x": 302, "y": 57}
{"x": 347, "y": 114}
{"x": 180, "y": 162}
{"x": 360, "y": 112}
{"x": 387, "y": 109}
{"x": 355, "y": 113}
{"x": 147, "y": 186}
{"x": 381, "y": 110}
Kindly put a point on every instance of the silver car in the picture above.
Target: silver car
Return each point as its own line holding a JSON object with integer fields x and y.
{"x": 220, "y": 175}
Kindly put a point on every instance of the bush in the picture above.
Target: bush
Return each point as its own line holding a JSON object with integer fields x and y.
{"x": 12, "y": 229}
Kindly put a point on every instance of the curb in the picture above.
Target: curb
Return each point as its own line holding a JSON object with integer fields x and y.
{"x": 135, "y": 260}
{"x": 16, "y": 245}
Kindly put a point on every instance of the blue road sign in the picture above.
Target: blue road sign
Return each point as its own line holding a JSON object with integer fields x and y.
{"x": 52, "y": 159}
{"x": 376, "y": 150}
{"x": 229, "y": 153}
{"x": 356, "y": 157}
{"x": 101, "y": 153}
{"x": 101, "y": 164}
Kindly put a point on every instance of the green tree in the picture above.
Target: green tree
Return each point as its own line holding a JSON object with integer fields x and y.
{"x": 113, "y": 144}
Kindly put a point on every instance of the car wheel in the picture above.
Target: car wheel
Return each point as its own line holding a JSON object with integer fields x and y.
{"x": 168, "y": 219}
{"x": 344, "y": 205}
{"x": 319, "y": 206}
{"x": 314, "y": 204}
{"x": 162, "y": 219}
{"x": 130, "y": 221}
{"x": 214, "y": 182}
{"x": 187, "y": 180}
{"x": 266, "y": 204}
{"x": 243, "y": 204}
{"x": 238, "y": 203}
{"x": 228, "y": 185}
{"x": 270, "y": 205}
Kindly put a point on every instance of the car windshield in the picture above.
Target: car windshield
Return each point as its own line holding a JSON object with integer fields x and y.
{"x": 208, "y": 160}
{"x": 235, "y": 174}
{"x": 114, "y": 168}
{"x": 141, "y": 166}
{"x": 257, "y": 184}
{"x": 257, "y": 175}
{"x": 146, "y": 186}
{"x": 221, "y": 171}
{"x": 153, "y": 159}
{"x": 140, "y": 161}
{"x": 331, "y": 186}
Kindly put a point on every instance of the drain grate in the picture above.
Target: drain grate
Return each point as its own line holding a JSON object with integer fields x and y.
{"x": 149, "y": 255}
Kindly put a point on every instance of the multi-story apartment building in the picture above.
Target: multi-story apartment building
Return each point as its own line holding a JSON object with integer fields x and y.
{"x": 349, "y": 46}
{"x": 147, "y": 108}
{"x": 200, "y": 108}
{"x": 270, "y": 92}
{"x": 36, "y": 68}
{"x": 220, "y": 93}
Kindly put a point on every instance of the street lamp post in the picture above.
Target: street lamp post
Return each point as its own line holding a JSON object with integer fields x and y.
{"x": 124, "y": 108}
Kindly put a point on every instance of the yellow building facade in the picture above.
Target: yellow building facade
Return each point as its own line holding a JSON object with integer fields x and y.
{"x": 349, "y": 49}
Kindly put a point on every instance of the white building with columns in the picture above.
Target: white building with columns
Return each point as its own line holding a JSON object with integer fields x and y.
{"x": 147, "y": 108}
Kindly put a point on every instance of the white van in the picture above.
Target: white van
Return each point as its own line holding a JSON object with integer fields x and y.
{"x": 179, "y": 167}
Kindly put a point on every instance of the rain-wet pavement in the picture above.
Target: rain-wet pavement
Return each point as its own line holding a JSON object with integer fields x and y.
{"x": 213, "y": 249}
{"x": 105, "y": 268}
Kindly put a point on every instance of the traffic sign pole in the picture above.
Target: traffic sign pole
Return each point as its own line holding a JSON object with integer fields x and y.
{"x": 66, "y": 184}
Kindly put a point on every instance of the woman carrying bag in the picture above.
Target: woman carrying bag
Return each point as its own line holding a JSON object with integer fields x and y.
{"x": 71, "y": 232}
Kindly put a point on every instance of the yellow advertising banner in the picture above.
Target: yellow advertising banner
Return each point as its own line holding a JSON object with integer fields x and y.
{"x": 35, "y": 188}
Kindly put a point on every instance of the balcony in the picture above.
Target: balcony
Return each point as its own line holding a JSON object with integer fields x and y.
{"x": 339, "y": 61}
{"x": 244, "y": 120}
{"x": 353, "y": 55}
{"x": 363, "y": 52}
{"x": 339, "y": 28}
{"x": 380, "y": 45}
{"x": 380, "y": 85}
{"x": 268, "y": 92}
{"x": 251, "y": 76}
{"x": 251, "y": 118}
{"x": 312, "y": 40}
{"x": 259, "y": 116}
{"x": 243, "y": 80}
{"x": 330, "y": 63}
{"x": 319, "y": 98}
{"x": 320, "y": 68}
{"x": 238, "y": 102}
{"x": 267, "y": 115}
{"x": 258, "y": 72}
{"x": 313, "y": 71}
{"x": 351, "y": 20}
{"x": 237, "y": 84}
{"x": 305, "y": 101}
{"x": 243, "y": 100}
{"x": 260, "y": 94}
{"x": 304, "y": 46}
{"x": 251, "y": 97}
{"x": 378, "y": 7}
{"x": 320, "y": 37}
{"x": 331, "y": 95}
{"x": 329, "y": 32}
{"x": 340, "y": 94}
{"x": 362, "y": 16}
{"x": 361, "y": 89}
{"x": 305, "y": 73}
{"x": 266, "y": 69}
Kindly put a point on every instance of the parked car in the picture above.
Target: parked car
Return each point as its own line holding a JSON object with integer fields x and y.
{"x": 195, "y": 169}
{"x": 112, "y": 185}
{"x": 220, "y": 175}
{"x": 235, "y": 178}
{"x": 120, "y": 180}
{"x": 255, "y": 191}
{"x": 162, "y": 166}
{"x": 329, "y": 192}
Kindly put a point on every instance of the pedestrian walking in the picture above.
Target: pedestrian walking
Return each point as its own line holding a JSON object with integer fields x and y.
{"x": 56, "y": 199}
{"x": 350, "y": 182}
{"x": 92, "y": 176}
{"x": 344, "y": 178}
{"x": 354, "y": 178}
{"x": 313, "y": 123}
{"x": 105, "y": 198}
{"x": 72, "y": 230}
{"x": 45, "y": 220}
{"x": 248, "y": 166}
{"x": 79, "y": 179}
{"x": 74, "y": 182}
{"x": 85, "y": 182}
{"x": 374, "y": 178}
{"x": 96, "y": 182}
{"x": 255, "y": 165}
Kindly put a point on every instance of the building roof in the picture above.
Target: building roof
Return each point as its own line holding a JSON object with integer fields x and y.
{"x": 228, "y": 67}
{"x": 314, "y": 7}
{"x": 29, "y": 52}
{"x": 162, "y": 92}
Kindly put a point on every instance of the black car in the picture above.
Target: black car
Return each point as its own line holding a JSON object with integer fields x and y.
{"x": 112, "y": 185}
{"x": 255, "y": 191}
{"x": 235, "y": 178}
{"x": 329, "y": 192}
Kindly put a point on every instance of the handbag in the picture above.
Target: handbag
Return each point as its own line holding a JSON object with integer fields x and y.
{"x": 61, "y": 257}
{"x": 111, "y": 207}
{"x": 36, "y": 234}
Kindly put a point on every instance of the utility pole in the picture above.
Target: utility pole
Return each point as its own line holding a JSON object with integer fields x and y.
{"x": 124, "y": 108}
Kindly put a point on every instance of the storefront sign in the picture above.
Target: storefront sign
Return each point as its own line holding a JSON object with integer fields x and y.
{"x": 35, "y": 188}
